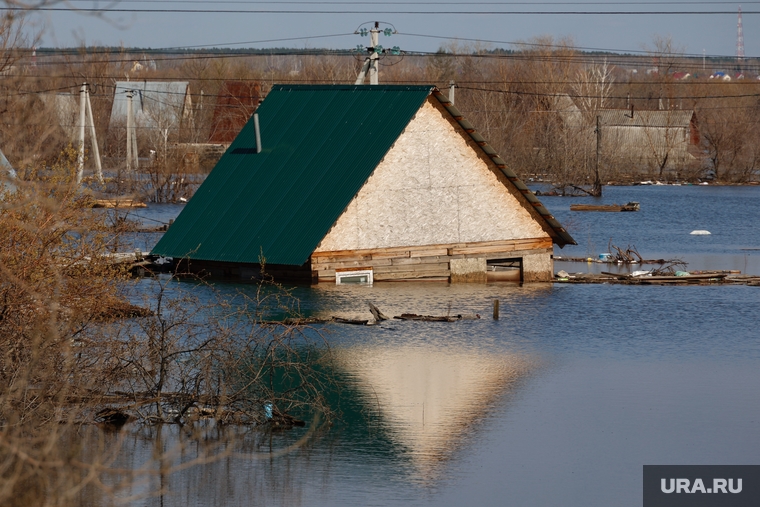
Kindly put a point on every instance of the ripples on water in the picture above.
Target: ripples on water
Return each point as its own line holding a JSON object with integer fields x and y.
{"x": 560, "y": 402}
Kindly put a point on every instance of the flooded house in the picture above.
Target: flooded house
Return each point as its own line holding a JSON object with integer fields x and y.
{"x": 155, "y": 104}
{"x": 235, "y": 103}
{"x": 341, "y": 184}
{"x": 660, "y": 139}
{"x": 635, "y": 140}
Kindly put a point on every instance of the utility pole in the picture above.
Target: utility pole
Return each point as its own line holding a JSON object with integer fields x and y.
{"x": 94, "y": 137}
{"x": 129, "y": 130}
{"x": 375, "y": 50}
{"x": 86, "y": 120}
{"x": 374, "y": 72}
{"x": 596, "y": 188}
{"x": 132, "y": 163}
{"x": 82, "y": 107}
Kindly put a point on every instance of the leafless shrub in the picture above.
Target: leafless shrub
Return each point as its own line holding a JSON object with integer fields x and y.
{"x": 75, "y": 351}
{"x": 192, "y": 359}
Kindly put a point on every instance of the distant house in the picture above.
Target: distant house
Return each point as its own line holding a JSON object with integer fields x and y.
{"x": 155, "y": 104}
{"x": 636, "y": 140}
{"x": 65, "y": 106}
{"x": 236, "y": 102}
{"x": 661, "y": 139}
{"x": 364, "y": 183}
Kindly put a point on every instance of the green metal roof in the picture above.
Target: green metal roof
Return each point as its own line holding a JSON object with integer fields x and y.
{"x": 320, "y": 145}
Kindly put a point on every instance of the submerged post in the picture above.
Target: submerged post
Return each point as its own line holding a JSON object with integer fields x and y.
{"x": 496, "y": 309}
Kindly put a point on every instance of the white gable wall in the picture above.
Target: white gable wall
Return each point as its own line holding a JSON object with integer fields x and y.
{"x": 430, "y": 189}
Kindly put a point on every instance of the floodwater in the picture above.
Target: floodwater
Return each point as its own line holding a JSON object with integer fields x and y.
{"x": 661, "y": 230}
{"x": 559, "y": 402}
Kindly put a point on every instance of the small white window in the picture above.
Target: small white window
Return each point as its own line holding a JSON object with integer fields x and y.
{"x": 359, "y": 276}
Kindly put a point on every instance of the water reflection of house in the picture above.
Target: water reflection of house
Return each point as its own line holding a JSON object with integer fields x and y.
{"x": 426, "y": 398}
{"x": 390, "y": 181}
{"x": 236, "y": 102}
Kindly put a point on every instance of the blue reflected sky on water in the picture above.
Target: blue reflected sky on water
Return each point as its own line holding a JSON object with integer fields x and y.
{"x": 661, "y": 229}
{"x": 560, "y": 402}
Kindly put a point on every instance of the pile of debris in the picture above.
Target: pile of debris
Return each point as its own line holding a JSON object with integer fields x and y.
{"x": 655, "y": 277}
{"x": 378, "y": 316}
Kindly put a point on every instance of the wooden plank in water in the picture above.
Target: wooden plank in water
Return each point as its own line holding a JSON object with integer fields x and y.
{"x": 631, "y": 206}
{"x": 118, "y": 202}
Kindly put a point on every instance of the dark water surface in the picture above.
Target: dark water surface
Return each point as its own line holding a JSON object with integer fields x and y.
{"x": 560, "y": 402}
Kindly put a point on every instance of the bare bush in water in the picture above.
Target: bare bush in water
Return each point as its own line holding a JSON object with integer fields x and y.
{"x": 217, "y": 358}
{"x": 75, "y": 351}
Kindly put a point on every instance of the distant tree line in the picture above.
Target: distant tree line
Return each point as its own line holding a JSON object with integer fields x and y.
{"x": 520, "y": 100}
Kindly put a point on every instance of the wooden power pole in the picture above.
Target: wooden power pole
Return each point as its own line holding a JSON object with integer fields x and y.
{"x": 596, "y": 188}
{"x": 86, "y": 120}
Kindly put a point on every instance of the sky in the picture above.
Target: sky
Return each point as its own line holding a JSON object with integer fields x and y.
{"x": 308, "y": 22}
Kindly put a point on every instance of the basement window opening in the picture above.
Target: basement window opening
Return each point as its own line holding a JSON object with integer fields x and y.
{"x": 354, "y": 277}
{"x": 504, "y": 270}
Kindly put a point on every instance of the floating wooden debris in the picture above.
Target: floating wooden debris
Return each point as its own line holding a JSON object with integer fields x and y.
{"x": 298, "y": 321}
{"x": 631, "y": 206}
{"x": 376, "y": 313}
{"x": 692, "y": 278}
{"x": 610, "y": 259}
{"x": 118, "y": 202}
{"x": 355, "y": 322}
{"x": 379, "y": 317}
{"x": 434, "y": 318}
{"x": 305, "y": 321}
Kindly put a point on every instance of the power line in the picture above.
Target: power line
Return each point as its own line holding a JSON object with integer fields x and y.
{"x": 48, "y": 52}
{"x": 290, "y": 79}
{"x": 413, "y": 2}
{"x": 471, "y": 88}
{"x": 676, "y": 97}
{"x": 643, "y": 52}
{"x": 263, "y": 41}
{"x": 380, "y": 12}
{"x": 619, "y": 60}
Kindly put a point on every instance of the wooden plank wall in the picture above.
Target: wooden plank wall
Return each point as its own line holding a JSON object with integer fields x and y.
{"x": 429, "y": 262}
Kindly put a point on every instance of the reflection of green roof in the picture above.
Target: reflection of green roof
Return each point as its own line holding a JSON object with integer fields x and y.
{"x": 320, "y": 145}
